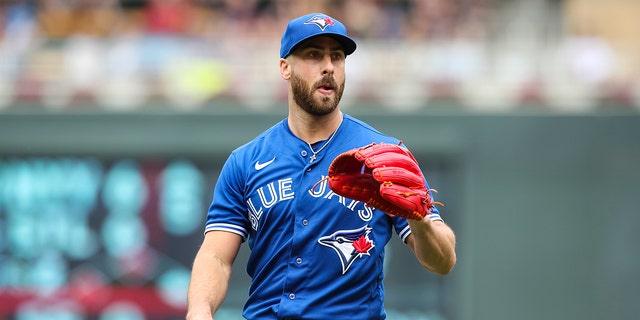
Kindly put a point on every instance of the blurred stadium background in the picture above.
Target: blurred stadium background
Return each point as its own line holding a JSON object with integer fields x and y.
{"x": 116, "y": 116}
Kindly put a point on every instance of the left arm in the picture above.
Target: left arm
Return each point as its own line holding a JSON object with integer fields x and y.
{"x": 433, "y": 243}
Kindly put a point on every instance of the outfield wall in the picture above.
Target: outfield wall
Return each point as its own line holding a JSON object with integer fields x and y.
{"x": 545, "y": 206}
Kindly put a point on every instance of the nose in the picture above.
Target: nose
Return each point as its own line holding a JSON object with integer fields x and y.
{"x": 327, "y": 66}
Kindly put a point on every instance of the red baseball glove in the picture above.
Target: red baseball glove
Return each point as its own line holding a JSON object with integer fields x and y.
{"x": 384, "y": 176}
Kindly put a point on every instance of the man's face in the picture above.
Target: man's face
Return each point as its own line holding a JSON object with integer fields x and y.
{"x": 317, "y": 75}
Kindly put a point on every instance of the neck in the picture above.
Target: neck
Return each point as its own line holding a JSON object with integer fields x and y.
{"x": 312, "y": 129}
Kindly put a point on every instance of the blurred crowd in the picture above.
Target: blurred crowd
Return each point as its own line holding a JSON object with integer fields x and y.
{"x": 192, "y": 54}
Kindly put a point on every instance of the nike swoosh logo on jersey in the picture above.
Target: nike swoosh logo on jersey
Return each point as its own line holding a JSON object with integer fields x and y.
{"x": 260, "y": 166}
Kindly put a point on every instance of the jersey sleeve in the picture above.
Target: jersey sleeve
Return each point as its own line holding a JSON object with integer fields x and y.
{"x": 401, "y": 227}
{"x": 227, "y": 211}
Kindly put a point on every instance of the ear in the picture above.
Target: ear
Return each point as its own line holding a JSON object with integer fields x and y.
{"x": 285, "y": 69}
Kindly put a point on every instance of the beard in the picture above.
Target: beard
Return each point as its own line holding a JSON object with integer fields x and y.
{"x": 303, "y": 95}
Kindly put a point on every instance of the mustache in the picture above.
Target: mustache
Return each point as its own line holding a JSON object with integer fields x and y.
{"x": 327, "y": 79}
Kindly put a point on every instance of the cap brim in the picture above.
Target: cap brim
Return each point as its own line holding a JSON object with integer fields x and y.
{"x": 348, "y": 45}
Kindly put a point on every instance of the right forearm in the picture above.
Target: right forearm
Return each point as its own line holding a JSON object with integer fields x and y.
{"x": 208, "y": 286}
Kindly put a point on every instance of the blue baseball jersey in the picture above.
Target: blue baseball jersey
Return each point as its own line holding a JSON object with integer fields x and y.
{"x": 314, "y": 254}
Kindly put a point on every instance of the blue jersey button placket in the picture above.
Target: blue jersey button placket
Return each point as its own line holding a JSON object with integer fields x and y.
{"x": 304, "y": 153}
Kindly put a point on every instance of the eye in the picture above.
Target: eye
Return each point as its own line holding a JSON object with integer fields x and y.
{"x": 313, "y": 54}
{"x": 337, "y": 56}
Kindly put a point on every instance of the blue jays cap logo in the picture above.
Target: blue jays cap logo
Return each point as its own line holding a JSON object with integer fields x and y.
{"x": 349, "y": 245}
{"x": 321, "y": 21}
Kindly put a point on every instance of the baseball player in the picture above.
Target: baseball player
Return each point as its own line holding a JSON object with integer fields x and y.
{"x": 314, "y": 254}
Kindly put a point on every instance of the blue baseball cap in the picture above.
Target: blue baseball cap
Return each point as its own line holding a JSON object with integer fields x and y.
{"x": 311, "y": 25}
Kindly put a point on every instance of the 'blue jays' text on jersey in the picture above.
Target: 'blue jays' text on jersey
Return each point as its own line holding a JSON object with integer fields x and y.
{"x": 314, "y": 254}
